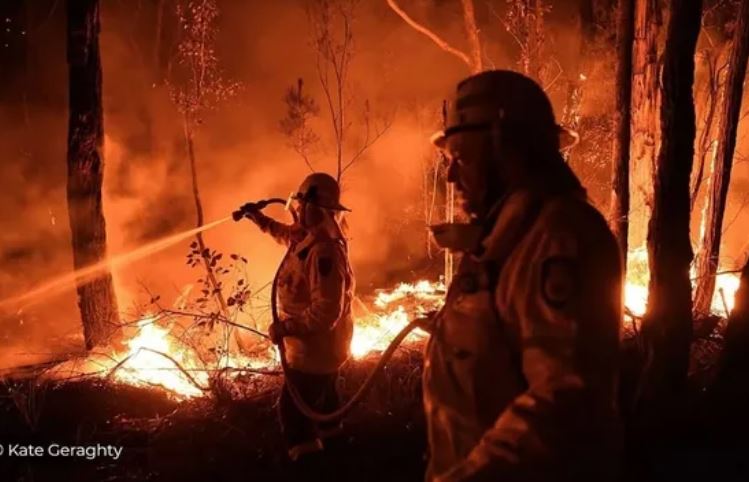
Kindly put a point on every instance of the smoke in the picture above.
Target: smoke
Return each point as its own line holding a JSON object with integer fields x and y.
{"x": 241, "y": 153}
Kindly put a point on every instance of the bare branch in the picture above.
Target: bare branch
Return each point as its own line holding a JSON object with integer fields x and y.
{"x": 431, "y": 35}
{"x": 472, "y": 31}
{"x": 368, "y": 142}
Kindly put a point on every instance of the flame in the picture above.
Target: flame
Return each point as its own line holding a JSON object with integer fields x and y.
{"x": 638, "y": 276}
{"x": 374, "y": 332}
{"x": 144, "y": 363}
{"x": 156, "y": 357}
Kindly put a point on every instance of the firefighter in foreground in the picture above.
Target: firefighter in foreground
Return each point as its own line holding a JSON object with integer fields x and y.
{"x": 521, "y": 368}
{"x": 315, "y": 289}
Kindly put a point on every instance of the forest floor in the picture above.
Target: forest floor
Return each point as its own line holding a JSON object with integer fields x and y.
{"x": 210, "y": 440}
{"x": 238, "y": 437}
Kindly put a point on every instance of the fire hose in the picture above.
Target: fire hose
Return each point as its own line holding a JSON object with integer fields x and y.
{"x": 299, "y": 401}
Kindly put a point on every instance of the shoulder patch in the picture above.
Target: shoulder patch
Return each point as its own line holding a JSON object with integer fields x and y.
{"x": 559, "y": 281}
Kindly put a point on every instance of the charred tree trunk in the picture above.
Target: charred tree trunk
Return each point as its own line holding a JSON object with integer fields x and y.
{"x": 707, "y": 259}
{"x": 710, "y": 108}
{"x": 723, "y": 409}
{"x": 668, "y": 322}
{"x": 645, "y": 135}
{"x": 85, "y": 159}
{"x": 734, "y": 359}
{"x": 625, "y": 31}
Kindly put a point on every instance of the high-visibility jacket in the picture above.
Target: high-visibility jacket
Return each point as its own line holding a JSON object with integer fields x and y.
{"x": 315, "y": 290}
{"x": 521, "y": 369}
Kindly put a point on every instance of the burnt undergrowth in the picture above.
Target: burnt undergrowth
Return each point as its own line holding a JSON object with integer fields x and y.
{"x": 227, "y": 438}
{"x": 236, "y": 436}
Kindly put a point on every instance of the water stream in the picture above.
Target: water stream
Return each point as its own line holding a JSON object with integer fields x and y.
{"x": 65, "y": 281}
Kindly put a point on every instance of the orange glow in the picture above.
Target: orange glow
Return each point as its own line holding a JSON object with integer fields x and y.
{"x": 155, "y": 357}
{"x": 638, "y": 276}
{"x": 153, "y": 353}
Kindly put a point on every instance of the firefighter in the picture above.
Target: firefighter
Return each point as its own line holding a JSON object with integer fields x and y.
{"x": 521, "y": 367}
{"x": 315, "y": 289}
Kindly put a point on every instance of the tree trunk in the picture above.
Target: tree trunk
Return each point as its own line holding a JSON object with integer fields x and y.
{"x": 734, "y": 359}
{"x": 710, "y": 108}
{"x": 85, "y": 159}
{"x": 156, "y": 53}
{"x": 668, "y": 322}
{"x": 472, "y": 32}
{"x": 645, "y": 133}
{"x": 707, "y": 258}
{"x": 726, "y": 399}
{"x": 620, "y": 179}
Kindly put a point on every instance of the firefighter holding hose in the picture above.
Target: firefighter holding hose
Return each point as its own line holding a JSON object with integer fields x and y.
{"x": 521, "y": 368}
{"x": 314, "y": 289}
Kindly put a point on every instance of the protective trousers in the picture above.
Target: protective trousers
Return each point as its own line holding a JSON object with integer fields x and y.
{"x": 320, "y": 393}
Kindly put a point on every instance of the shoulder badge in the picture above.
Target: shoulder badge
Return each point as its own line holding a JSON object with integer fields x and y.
{"x": 559, "y": 281}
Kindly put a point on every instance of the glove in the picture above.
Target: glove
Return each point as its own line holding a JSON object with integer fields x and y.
{"x": 278, "y": 331}
{"x": 246, "y": 211}
{"x": 250, "y": 209}
{"x": 427, "y": 321}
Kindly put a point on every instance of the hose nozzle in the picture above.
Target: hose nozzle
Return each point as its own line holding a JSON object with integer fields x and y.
{"x": 247, "y": 208}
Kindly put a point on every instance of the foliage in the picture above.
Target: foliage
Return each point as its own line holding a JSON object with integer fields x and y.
{"x": 235, "y": 270}
{"x": 196, "y": 83}
{"x": 300, "y": 108}
{"x": 332, "y": 40}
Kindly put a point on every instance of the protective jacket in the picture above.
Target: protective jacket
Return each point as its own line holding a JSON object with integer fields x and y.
{"x": 521, "y": 368}
{"x": 315, "y": 289}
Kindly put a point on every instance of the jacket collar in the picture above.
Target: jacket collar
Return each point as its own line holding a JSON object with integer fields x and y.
{"x": 507, "y": 221}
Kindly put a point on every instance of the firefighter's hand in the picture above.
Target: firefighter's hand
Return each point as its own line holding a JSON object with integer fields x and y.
{"x": 250, "y": 210}
{"x": 279, "y": 330}
{"x": 426, "y": 322}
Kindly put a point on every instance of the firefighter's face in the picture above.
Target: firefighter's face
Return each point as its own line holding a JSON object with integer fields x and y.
{"x": 307, "y": 214}
{"x": 296, "y": 206}
{"x": 468, "y": 153}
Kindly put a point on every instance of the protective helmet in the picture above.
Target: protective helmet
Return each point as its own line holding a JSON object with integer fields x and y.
{"x": 500, "y": 96}
{"x": 321, "y": 190}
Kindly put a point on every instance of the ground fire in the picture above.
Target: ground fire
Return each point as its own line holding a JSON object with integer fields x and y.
{"x": 155, "y": 357}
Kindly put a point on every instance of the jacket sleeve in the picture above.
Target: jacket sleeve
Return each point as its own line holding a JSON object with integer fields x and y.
{"x": 567, "y": 304}
{"x": 283, "y": 233}
{"x": 326, "y": 271}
